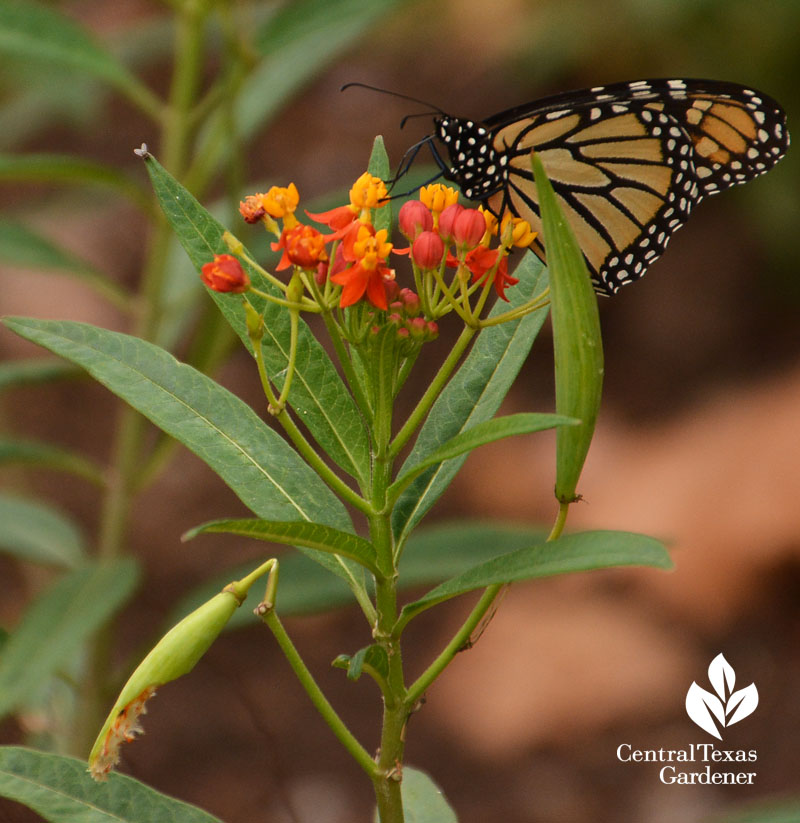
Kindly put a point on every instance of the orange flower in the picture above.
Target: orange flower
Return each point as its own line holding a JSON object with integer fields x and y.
{"x": 367, "y": 193}
{"x": 251, "y": 208}
{"x": 278, "y": 202}
{"x": 367, "y": 250}
{"x": 437, "y": 197}
{"x": 225, "y": 274}
{"x": 480, "y": 261}
{"x": 302, "y": 246}
{"x": 514, "y": 231}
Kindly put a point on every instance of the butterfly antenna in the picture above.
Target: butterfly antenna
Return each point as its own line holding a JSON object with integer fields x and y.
{"x": 433, "y": 109}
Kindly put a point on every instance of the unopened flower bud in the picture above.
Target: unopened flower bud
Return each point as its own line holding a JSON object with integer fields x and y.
{"x": 468, "y": 229}
{"x": 418, "y": 328}
{"x": 225, "y": 274}
{"x": 295, "y": 289}
{"x": 446, "y": 220}
{"x": 437, "y": 196}
{"x": 414, "y": 218}
{"x": 254, "y": 321}
{"x": 411, "y": 302}
{"x": 428, "y": 250}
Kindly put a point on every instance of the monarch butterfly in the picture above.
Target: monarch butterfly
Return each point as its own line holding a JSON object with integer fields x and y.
{"x": 628, "y": 161}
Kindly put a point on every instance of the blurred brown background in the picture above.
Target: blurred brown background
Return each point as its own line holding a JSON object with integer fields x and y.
{"x": 698, "y": 443}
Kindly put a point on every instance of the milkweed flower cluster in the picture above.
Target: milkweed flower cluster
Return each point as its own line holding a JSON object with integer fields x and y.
{"x": 344, "y": 259}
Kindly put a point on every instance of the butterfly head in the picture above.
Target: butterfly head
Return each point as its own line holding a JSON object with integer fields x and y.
{"x": 473, "y": 162}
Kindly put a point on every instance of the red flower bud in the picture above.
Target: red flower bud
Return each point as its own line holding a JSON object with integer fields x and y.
{"x": 468, "y": 228}
{"x": 410, "y": 301}
{"x": 428, "y": 250}
{"x": 225, "y": 274}
{"x": 418, "y": 327}
{"x": 392, "y": 289}
{"x": 446, "y": 220}
{"x": 414, "y": 218}
{"x": 433, "y": 330}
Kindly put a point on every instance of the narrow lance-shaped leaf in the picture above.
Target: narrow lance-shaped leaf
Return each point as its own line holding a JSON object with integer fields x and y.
{"x": 59, "y": 789}
{"x": 379, "y": 167}
{"x": 431, "y": 555}
{"x": 482, "y": 433}
{"x": 45, "y": 456}
{"x": 34, "y": 370}
{"x": 318, "y": 395}
{"x": 263, "y": 470}
{"x": 578, "y": 348}
{"x": 67, "y": 169}
{"x": 295, "y": 43}
{"x": 256, "y": 462}
{"x": 575, "y": 552}
{"x": 293, "y": 533}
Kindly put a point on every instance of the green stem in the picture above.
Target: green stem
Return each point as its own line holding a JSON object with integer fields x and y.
{"x": 294, "y": 317}
{"x": 438, "y": 383}
{"x": 335, "y": 335}
{"x": 321, "y": 703}
{"x": 459, "y": 641}
{"x": 333, "y": 480}
{"x": 561, "y": 519}
{"x": 534, "y": 303}
{"x": 386, "y": 778}
{"x": 301, "y": 444}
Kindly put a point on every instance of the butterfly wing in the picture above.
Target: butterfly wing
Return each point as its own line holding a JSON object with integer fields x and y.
{"x": 628, "y": 162}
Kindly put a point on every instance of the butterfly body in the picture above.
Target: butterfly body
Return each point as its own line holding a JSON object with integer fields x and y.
{"x": 628, "y": 162}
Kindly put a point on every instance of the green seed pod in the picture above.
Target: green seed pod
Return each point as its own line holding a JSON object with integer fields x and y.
{"x": 174, "y": 655}
{"x": 577, "y": 344}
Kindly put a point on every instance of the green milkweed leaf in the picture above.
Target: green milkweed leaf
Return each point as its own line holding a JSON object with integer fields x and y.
{"x": 318, "y": 395}
{"x": 259, "y": 466}
{"x": 310, "y": 535}
{"x": 577, "y": 344}
{"x": 575, "y": 552}
{"x": 45, "y": 456}
{"x": 480, "y": 434}
{"x": 61, "y": 791}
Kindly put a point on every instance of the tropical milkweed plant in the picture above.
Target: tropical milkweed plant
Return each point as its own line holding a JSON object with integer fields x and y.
{"x": 324, "y": 464}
